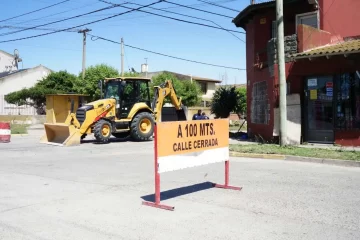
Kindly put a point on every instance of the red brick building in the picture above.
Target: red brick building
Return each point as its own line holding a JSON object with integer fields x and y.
{"x": 322, "y": 47}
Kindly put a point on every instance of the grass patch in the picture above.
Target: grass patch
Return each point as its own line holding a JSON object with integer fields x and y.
{"x": 297, "y": 151}
{"x": 10, "y": 118}
{"x": 19, "y": 128}
{"x": 236, "y": 127}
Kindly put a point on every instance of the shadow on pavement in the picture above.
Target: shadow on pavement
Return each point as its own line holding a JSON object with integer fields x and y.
{"x": 179, "y": 191}
{"x": 112, "y": 140}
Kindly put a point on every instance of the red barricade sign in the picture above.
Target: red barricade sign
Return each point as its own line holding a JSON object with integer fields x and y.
{"x": 184, "y": 144}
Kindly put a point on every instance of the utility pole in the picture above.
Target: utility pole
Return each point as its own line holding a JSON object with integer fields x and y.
{"x": 84, "y": 31}
{"x": 252, "y": 2}
{"x": 122, "y": 57}
{"x": 281, "y": 64}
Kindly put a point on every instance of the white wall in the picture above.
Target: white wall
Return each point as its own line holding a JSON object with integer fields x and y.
{"x": 7, "y": 62}
{"x": 210, "y": 91}
{"x": 23, "y": 79}
{"x": 293, "y": 124}
{"x": 12, "y": 109}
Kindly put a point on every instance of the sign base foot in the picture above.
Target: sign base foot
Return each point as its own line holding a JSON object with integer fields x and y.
{"x": 227, "y": 187}
{"x": 158, "y": 205}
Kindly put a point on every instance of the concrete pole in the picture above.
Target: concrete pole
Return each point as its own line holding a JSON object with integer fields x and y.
{"x": 84, "y": 50}
{"x": 84, "y": 55}
{"x": 282, "y": 76}
{"x": 122, "y": 57}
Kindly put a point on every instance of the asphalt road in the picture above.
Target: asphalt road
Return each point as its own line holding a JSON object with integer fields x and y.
{"x": 95, "y": 192}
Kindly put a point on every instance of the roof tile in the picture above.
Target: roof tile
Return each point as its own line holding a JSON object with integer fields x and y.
{"x": 340, "y": 48}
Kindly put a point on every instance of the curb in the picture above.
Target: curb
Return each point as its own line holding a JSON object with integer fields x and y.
{"x": 19, "y": 135}
{"x": 255, "y": 155}
{"x": 345, "y": 163}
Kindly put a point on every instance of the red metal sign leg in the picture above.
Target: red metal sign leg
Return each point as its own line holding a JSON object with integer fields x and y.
{"x": 227, "y": 173}
{"x": 157, "y": 204}
{"x": 226, "y": 185}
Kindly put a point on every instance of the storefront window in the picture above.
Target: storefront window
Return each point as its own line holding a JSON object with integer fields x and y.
{"x": 347, "y": 99}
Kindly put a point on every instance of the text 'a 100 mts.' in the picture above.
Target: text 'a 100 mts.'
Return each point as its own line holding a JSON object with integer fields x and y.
{"x": 194, "y": 130}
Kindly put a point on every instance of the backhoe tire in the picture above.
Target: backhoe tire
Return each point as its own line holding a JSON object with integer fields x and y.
{"x": 142, "y": 126}
{"x": 102, "y": 131}
{"x": 121, "y": 135}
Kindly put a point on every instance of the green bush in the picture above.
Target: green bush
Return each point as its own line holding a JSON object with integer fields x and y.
{"x": 189, "y": 91}
{"x": 227, "y": 100}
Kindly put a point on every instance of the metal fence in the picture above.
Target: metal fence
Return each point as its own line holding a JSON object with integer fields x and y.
{"x": 11, "y": 109}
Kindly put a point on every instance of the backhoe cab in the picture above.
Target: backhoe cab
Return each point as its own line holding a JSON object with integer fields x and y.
{"x": 124, "y": 110}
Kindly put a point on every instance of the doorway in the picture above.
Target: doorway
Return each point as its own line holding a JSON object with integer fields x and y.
{"x": 319, "y": 111}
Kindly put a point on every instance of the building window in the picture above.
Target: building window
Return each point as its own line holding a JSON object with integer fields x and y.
{"x": 309, "y": 19}
{"x": 260, "y": 107}
{"x": 347, "y": 101}
{"x": 203, "y": 86}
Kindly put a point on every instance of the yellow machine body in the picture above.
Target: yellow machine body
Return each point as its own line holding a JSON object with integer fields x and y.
{"x": 67, "y": 121}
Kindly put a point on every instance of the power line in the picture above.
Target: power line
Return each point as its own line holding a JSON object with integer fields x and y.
{"x": 42, "y": 29}
{"x": 65, "y": 29}
{"x": 94, "y": 38}
{"x": 217, "y": 5}
{"x": 177, "y": 19}
{"x": 51, "y": 15}
{"x": 34, "y": 11}
{"x": 101, "y": 15}
{"x": 197, "y": 9}
{"x": 185, "y": 15}
{"x": 62, "y": 20}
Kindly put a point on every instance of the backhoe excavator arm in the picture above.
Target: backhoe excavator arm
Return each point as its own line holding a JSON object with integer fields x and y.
{"x": 160, "y": 93}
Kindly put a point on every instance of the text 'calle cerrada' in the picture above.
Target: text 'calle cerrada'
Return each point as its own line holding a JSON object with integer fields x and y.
{"x": 194, "y": 130}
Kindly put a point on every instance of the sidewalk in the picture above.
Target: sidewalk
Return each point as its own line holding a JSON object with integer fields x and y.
{"x": 309, "y": 145}
{"x": 344, "y": 163}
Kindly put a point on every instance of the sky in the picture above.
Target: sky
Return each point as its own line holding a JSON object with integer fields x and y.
{"x": 63, "y": 50}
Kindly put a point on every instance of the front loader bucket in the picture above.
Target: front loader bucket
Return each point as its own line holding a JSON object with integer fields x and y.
{"x": 61, "y": 134}
{"x": 170, "y": 114}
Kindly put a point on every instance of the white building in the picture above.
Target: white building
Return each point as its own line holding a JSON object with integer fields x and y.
{"x": 8, "y": 62}
{"x": 22, "y": 78}
{"x": 14, "y": 79}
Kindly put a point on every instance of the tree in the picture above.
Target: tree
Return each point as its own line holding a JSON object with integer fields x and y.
{"x": 224, "y": 101}
{"x": 55, "y": 82}
{"x": 227, "y": 100}
{"x": 189, "y": 91}
{"x": 241, "y": 105}
{"x": 93, "y": 74}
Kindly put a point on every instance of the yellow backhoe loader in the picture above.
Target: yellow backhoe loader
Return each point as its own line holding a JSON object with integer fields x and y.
{"x": 125, "y": 110}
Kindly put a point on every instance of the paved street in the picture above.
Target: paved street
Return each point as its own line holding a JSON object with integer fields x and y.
{"x": 95, "y": 192}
